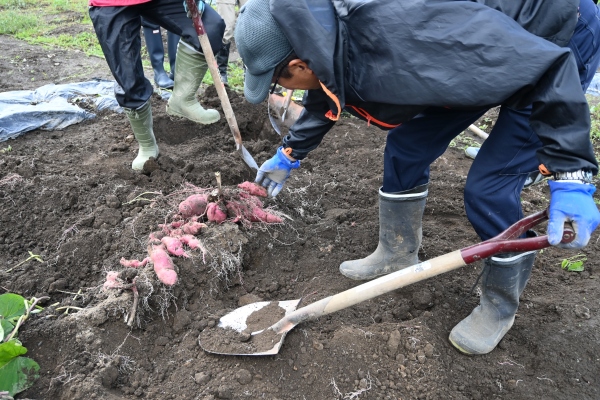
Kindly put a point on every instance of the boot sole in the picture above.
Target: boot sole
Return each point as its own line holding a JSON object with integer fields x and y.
{"x": 176, "y": 114}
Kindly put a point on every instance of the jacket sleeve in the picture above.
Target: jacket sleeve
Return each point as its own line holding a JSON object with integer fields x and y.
{"x": 560, "y": 117}
{"x": 310, "y": 128}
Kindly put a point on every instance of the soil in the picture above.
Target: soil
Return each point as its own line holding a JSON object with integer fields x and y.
{"x": 71, "y": 197}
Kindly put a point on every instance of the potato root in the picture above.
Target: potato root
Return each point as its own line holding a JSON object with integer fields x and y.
{"x": 134, "y": 263}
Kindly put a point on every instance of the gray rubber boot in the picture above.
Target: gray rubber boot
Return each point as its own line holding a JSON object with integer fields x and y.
{"x": 400, "y": 233}
{"x": 191, "y": 68}
{"x": 141, "y": 123}
{"x": 504, "y": 278}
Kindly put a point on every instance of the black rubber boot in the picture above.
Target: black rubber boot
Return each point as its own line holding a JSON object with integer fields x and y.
{"x": 223, "y": 62}
{"x": 172, "y": 42}
{"x": 504, "y": 278}
{"x": 156, "y": 52}
{"x": 400, "y": 233}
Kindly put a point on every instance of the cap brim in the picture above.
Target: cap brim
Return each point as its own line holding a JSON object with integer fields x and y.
{"x": 256, "y": 87}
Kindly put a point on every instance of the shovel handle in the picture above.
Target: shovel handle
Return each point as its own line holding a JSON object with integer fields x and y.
{"x": 214, "y": 72}
{"x": 507, "y": 241}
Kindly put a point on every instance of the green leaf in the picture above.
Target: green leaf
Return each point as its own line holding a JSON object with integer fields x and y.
{"x": 16, "y": 373}
{"x": 577, "y": 266}
{"x": 12, "y": 306}
{"x": 5, "y": 329}
{"x": 9, "y": 350}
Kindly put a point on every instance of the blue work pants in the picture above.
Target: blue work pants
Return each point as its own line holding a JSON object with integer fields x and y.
{"x": 495, "y": 180}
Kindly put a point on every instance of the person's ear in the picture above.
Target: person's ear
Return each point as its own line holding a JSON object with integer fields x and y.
{"x": 297, "y": 65}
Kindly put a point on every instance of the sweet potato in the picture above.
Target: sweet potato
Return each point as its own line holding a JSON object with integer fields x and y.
{"x": 214, "y": 213}
{"x": 260, "y": 215}
{"x": 163, "y": 265}
{"x": 253, "y": 200}
{"x": 174, "y": 246}
{"x": 170, "y": 227}
{"x": 193, "y": 227}
{"x": 155, "y": 237}
{"x": 253, "y": 189}
{"x": 193, "y": 205}
{"x": 134, "y": 263}
{"x": 112, "y": 281}
{"x": 193, "y": 243}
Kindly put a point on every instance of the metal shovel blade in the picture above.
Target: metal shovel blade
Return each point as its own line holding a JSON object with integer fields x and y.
{"x": 248, "y": 159}
{"x": 235, "y": 335}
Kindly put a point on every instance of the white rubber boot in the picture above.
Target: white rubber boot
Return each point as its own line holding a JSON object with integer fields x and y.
{"x": 191, "y": 67}
{"x": 141, "y": 123}
{"x": 400, "y": 233}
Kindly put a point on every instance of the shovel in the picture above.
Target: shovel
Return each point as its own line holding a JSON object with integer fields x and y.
{"x": 237, "y": 339}
{"x": 214, "y": 72}
{"x": 283, "y": 111}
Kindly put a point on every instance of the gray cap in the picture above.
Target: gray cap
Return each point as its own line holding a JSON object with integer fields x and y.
{"x": 262, "y": 46}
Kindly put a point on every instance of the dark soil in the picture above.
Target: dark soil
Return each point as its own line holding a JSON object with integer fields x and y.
{"x": 71, "y": 197}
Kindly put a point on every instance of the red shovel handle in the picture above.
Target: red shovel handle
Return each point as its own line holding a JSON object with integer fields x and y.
{"x": 195, "y": 16}
{"x": 508, "y": 241}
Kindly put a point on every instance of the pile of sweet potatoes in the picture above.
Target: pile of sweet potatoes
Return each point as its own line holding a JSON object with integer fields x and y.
{"x": 196, "y": 213}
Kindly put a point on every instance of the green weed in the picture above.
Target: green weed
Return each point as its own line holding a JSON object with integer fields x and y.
{"x": 574, "y": 264}
{"x": 14, "y": 21}
{"x": 85, "y": 41}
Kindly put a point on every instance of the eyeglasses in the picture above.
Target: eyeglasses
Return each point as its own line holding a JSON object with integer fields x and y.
{"x": 280, "y": 67}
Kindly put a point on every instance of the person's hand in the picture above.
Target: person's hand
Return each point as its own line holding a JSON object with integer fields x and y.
{"x": 199, "y": 4}
{"x": 275, "y": 171}
{"x": 572, "y": 202}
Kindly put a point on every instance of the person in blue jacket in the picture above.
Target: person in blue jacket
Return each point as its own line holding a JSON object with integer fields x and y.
{"x": 424, "y": 71}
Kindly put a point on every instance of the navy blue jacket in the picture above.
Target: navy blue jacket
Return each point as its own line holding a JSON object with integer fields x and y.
{"x": 384, "y": 61}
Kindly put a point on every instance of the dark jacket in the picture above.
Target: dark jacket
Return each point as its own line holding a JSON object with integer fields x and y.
{"x": 386, "y": 60}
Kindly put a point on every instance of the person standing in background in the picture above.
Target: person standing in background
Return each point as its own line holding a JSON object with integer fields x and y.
{"x": 226, "y": 9}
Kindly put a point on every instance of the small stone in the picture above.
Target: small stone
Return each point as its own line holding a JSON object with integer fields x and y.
{"x": 202, "y": 378}
{"x": 428, "y": 350}
{"x": 243, "y": 376}
{"x": 582, "y": 312}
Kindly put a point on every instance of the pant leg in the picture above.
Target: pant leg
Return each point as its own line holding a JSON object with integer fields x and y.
{"x": 494, "y": 183}
{"x": 496, "y": 178}
{"x": 414, "y": 145}
{"x": 226, "y": 9}
{"x": 118, "y": 31}
{"x": 171, "y": 15}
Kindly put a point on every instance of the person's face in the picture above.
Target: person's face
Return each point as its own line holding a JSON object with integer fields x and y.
{"x": 302, "y": 77}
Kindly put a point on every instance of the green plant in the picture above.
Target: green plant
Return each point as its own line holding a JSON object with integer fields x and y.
{"x": 574, "y": 264}
{"x": 15, "y": 21}
{"x": 6, "y": 149}
{"x": 17, "y": 373}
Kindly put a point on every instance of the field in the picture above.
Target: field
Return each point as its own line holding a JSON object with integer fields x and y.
{"x": 70, "y": 197}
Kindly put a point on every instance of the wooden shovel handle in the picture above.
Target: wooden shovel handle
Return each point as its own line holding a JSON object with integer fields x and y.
{"x": 214, "y": 72}
{"x": 507, "y": 241}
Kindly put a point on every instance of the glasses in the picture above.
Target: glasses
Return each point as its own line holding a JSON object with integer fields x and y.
{"x": 280, "y": 67}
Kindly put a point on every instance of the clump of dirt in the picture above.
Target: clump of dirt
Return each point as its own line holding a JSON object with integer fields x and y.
{"x": 71, "y": 197}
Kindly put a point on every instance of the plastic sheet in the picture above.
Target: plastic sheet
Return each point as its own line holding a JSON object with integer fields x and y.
{"x": 52, "y": 107}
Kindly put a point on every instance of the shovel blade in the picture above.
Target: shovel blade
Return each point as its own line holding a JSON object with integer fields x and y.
{"x": 245, "y": 330}
{"x": 248, "y": 158}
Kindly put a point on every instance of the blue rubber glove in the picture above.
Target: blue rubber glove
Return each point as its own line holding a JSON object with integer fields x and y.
{"x": 275, "y": 171}
{"x": 572, "y": 202}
